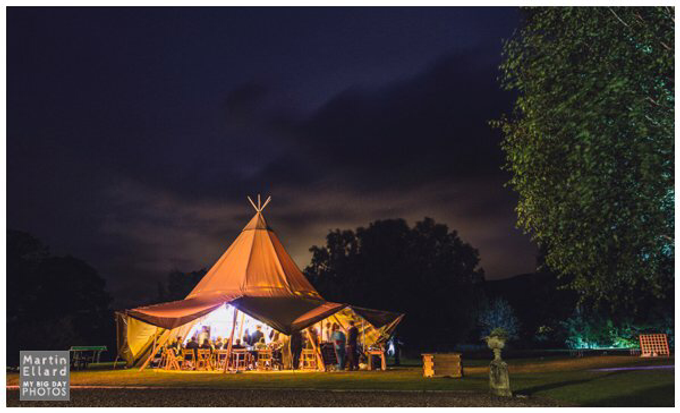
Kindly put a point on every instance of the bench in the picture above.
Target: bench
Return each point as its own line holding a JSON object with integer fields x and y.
{"x": 82, "y": 356}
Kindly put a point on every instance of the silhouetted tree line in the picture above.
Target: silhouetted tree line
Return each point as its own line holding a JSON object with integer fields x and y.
{"x": 53, "y": 302}
{"x": 178, "y": 285}
{"x": 425, "y": 271}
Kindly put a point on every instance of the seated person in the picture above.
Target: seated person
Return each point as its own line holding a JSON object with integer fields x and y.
{"x": 192, "y": 345}
{"x": 237, "y": 344}
{"x": 276, "y": 345}
{"x": 178, "y": 345}
{"x": 261, "y": 345}
{"x": 206, "y": 344}
{"x": 219, "y": 344}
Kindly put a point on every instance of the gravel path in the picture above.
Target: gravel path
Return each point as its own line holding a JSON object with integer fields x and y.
{"x": 275, "y": 398}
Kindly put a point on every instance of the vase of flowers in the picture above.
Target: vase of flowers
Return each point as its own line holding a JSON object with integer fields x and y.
{"x": 496, "y": 341}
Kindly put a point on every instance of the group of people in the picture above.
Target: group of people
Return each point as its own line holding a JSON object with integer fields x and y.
{"x": 254, "y": 341}
{"x": 345, "y": 345}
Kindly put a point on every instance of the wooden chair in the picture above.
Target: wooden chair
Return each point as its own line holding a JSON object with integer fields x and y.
{"x": 188, "y": 359}
{"x": 239, "y": 359}
{"x": 171, "y": 360}
{"x": 308, "y": 360}
{"x": 277, "y": 360}
{"x": 265, "y": 360}
{"x": 164, "y": 358}
{"x": 220, "y": 357}
{"x": 203, "y": 359}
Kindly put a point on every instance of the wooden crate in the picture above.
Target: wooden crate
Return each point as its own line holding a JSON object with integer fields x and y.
{"x": 442, "y": 365}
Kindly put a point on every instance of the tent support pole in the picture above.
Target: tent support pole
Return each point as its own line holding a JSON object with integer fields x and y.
{"x": 153, "y": 352}
{"x": 317, "y": 350}
{"x": 231, "y": 341}
{"x": 240, "y": 326}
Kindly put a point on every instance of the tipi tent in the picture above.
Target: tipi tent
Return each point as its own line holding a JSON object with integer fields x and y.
{"x": 255, "y": 279}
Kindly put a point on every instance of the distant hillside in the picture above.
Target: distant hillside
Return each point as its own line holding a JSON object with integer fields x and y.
{"x": 519, "y": 284}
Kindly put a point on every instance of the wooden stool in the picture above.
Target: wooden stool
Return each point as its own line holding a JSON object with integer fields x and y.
{"x": 264, "y": 359}
{"x": 381, "y": 353}
{"x": 188, "y": 359}
{"x": 308, "y": 360}
{"x": 203, "y": 359}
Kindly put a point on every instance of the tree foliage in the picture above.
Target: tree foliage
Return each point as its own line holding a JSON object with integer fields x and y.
{"x": 588, "y": 329}
{"x": 53, "y": 302}
{"x": 499, "y": 314}
{"x": 425, "y": 271}
{"x": 590, "y": 145}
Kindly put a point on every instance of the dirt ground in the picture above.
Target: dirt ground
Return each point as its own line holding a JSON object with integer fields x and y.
{"x": 275, "y": 398}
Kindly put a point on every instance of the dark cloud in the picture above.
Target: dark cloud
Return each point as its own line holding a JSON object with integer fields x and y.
{"x": 242, "y": 103}
{"x": 432, "y": 126}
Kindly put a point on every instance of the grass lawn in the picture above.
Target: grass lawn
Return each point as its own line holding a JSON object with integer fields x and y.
{"x": 567, "y": 381}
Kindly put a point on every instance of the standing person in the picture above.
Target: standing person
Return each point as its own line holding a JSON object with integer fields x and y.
{"x": 296, "y": 348}
{"x": 397, "y": 350}
{"x": 338, "y": 338}
{"x": 256, "y": 336}
{"x": 246, "y": 338}
{"x": 352, "y": 356}
{"x": 312, "y": 339}
{"x": 204, "y": 335}
{"x": 327, "y": 333}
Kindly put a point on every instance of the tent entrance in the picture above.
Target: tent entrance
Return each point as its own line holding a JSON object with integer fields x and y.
{"x": 217, "y": 326}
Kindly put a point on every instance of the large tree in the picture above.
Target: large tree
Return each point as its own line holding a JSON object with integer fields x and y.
{"x": 53, "y": 302}
{"x": 590, "y": 146}
{"x": 425, "y": 271}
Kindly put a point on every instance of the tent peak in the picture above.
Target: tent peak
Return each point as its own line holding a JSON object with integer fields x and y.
{"x": 259, "y": 207}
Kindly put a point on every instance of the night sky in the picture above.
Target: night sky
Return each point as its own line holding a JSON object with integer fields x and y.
{"x": 134, "y": 135}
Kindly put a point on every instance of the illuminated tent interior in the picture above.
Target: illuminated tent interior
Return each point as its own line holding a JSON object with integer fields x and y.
{"x": 255, "y": 282}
